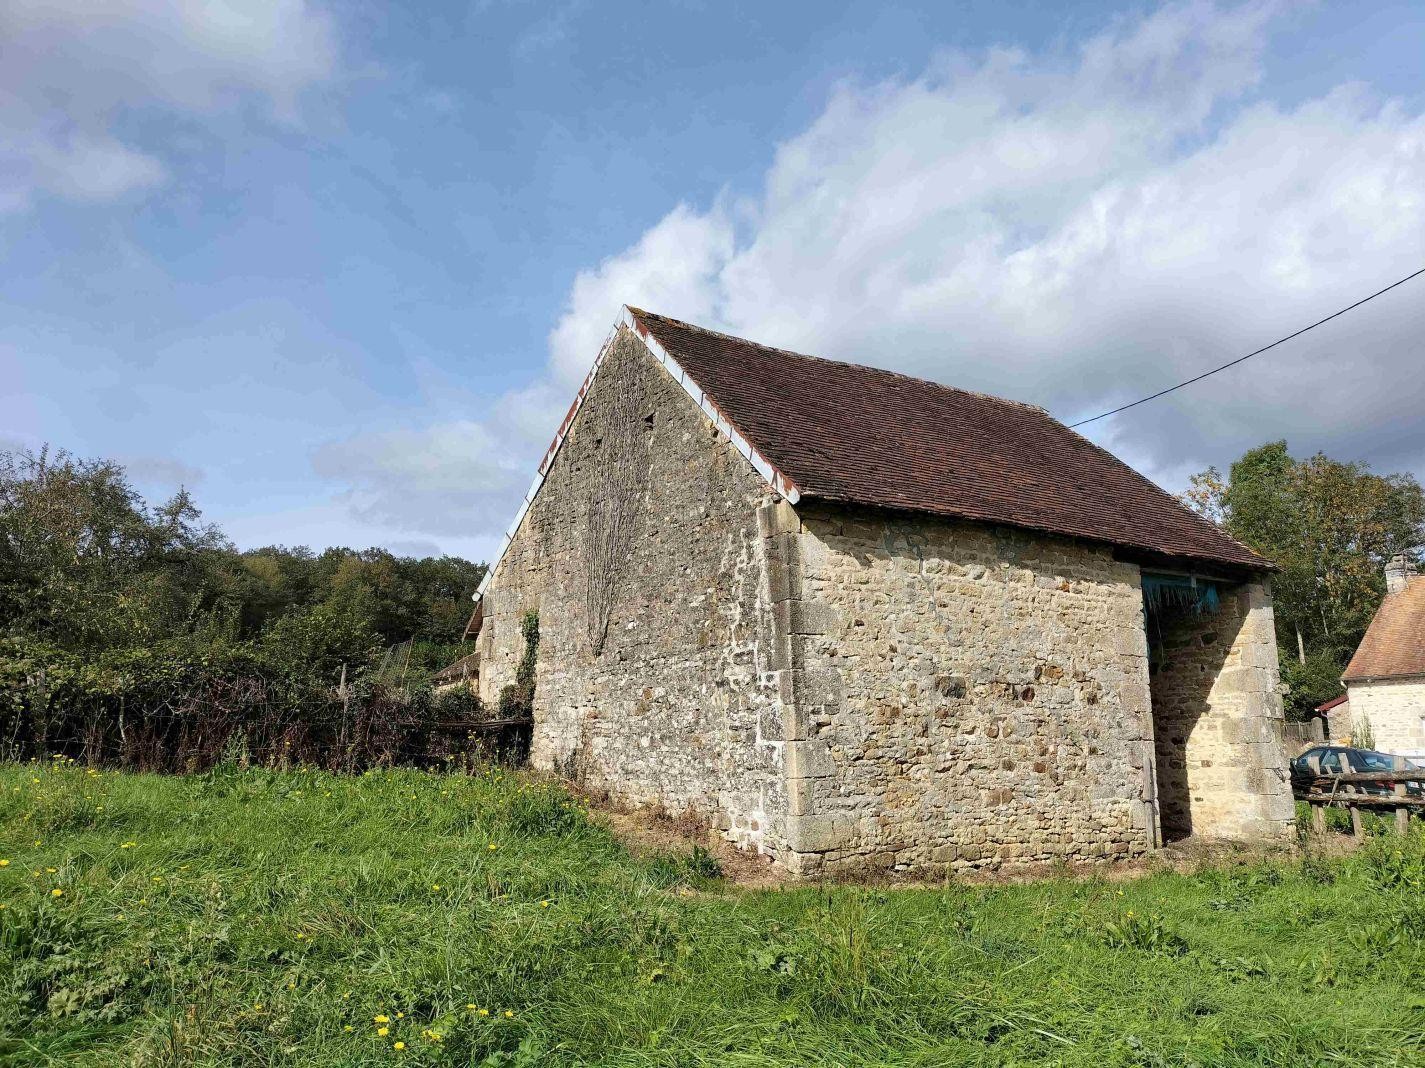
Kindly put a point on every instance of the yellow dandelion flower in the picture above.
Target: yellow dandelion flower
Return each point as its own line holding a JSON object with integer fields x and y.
{"x": 4, "y": 863}
{"x": 56, "y": 892}
{"x": 470, "y": 1005}
{"x": 544, "y": 904}
{"x": 484, "y": 1012}
{"x": 492, "y": 845}
{"x": 258, "y": 1007}
{"x": 400, "y": 1015}
{"x": 51, "y": 870}
{"x": 509, "y": 1015}
{"x": 300, "y": 936}
{"x": 347, "y": 1027}
{"x": 398, "y": 1045}
{"x": 383, "y": 1031}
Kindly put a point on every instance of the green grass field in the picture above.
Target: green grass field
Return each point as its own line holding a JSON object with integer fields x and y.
{"x": 407, "y": 918}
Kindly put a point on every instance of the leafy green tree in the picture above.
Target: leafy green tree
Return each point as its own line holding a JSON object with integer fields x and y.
{"x": 324, "y": 637}
{"x": 85, "y": 562}
{"x": 138, "y": 630}
{"x": 1330, "y": 527}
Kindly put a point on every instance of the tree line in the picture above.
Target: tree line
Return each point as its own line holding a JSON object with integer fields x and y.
{"x": 1329, "y": 527}
{"x": 137, "y": 630}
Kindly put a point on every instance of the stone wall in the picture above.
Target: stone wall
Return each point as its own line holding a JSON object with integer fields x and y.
{"x": 843, "y": 688}
{"x": 1217, "y": 716}
{"x": 1396, "y": 712}
{"x": 642, "y": 556}
{"x": 959, "y": 695}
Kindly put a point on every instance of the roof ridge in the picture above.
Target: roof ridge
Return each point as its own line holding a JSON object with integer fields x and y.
{"x": 840, "y": 363}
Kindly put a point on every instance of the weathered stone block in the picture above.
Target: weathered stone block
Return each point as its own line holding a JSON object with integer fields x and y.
{"x": 784, "y": 578}
{"x": 808, "y": 759}
{"x": 818, "y": 834}
{"x": 805, "y": 617}
{"x": 777, "y": 517}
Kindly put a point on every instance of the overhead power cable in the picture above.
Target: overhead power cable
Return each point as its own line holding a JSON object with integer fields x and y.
{"x": 1242, "y": 359}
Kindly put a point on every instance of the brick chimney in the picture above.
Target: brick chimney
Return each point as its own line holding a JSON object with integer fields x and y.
{"x": 1398, "y": 573}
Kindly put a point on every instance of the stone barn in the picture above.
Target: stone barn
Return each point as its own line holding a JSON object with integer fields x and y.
{"x": 852, "y": 618}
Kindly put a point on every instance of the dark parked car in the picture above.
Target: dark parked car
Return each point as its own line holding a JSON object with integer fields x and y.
{"x": 1340, "y": 759}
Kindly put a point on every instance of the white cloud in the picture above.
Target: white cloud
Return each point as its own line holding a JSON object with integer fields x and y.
{"x": 164, "y": 472}
{"x": 460, "y": 477}
{"x": 676, "y": 263}
{"x": 1076, "y": 230}
{"x": 74, "y": 70}
{"x": 1073, "y": 229}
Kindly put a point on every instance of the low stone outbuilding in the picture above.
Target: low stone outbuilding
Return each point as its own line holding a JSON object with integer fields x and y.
{"x": 1385, "y": 680}
{"x": 854, "y": 618}
{"x": 463, "y": 674}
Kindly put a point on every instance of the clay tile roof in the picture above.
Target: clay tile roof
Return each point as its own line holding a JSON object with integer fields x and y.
{"x": 1394, "y": 644}
{"x": 844, "y": 432}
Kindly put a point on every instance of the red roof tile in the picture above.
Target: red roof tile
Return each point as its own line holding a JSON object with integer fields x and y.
{"x": 844, "y": 432}
{"x": 1394, "y": 644}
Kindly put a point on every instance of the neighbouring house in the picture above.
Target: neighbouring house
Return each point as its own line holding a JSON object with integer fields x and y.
{"x": 854, "y": 618}
{"x": 1385, "y": 680}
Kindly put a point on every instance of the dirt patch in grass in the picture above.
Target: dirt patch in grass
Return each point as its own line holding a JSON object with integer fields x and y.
{"x": 646, "y": 831}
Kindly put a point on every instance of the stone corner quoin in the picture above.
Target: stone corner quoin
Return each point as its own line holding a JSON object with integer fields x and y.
{"x": 841, "y": 687}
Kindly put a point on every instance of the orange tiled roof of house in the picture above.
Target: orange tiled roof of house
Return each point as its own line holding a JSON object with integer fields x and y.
{"x": 1394, "y": 644}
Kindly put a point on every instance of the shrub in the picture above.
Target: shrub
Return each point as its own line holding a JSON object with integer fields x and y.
{"x": 1146, "y": 933}
{"x": 698, "y": 868}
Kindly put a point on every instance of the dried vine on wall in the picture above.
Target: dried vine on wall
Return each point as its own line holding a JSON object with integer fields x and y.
{"x": 614, "y": 509}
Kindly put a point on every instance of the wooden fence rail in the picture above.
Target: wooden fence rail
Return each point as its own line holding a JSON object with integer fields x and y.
{"x": 1345, "y": 791}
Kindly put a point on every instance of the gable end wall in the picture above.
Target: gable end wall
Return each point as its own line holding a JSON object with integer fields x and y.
{"x": 642, "y": 556}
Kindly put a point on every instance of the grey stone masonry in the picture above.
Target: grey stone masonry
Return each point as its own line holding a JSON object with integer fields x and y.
{"x": 642, "y": 556}
{"x": 964, "y": 695}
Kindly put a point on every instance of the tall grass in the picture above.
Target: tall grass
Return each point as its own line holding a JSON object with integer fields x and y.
{"x": 251, "y": 917}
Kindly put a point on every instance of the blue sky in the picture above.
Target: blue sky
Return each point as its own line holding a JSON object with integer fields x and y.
{"x": 339, "y": 268}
